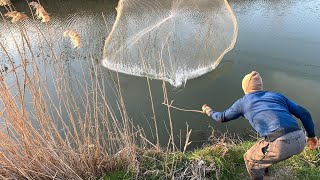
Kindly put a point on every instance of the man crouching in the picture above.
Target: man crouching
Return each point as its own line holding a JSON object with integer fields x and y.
{"x": 270, "y": 114}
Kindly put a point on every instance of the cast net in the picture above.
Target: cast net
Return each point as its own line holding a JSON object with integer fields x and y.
{"x": 172, "y": 40}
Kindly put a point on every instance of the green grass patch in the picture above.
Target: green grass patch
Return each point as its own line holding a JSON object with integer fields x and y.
{"x": 117, "y": 175}
{"x": 220, "y": 161}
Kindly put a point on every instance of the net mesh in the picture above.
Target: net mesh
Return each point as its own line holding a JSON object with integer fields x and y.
{"x": 173, "y": 40}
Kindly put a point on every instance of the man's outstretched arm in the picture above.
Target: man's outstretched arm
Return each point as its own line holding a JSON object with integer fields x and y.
{"x": 232, "y": 113}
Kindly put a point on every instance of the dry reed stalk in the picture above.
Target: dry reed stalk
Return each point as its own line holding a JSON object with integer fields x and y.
{"x": 13, "y": 114}
{"x": 16, "y": 16}
{"x": 74, "y": 37}
{"x": 25, "y": 142}
{"x": 41, "y": 13}
{"x": 169, "y": 171}
{"x": 151, "y": 99}
{"x": 65, "y": 152}
{"x": 187, "y": 142}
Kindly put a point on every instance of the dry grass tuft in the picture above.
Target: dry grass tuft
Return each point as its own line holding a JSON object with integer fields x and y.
{"x": 38, "y": 142}
{"x": 41, "y": 13}
{"x": 5, "y": 2}
{"x": 74, "y": 37}
{"x": 16, "y": 16}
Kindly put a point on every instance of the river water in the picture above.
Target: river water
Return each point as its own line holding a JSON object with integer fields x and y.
{"x": 279, "y": 39}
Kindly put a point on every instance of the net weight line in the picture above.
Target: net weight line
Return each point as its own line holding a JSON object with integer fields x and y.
{"x": 181, "y": 109}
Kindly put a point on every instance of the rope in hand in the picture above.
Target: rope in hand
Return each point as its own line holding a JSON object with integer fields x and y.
{"x": 180, "y": 109}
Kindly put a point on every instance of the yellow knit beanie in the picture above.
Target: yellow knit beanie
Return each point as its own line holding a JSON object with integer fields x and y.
{"x": 252, "y": 82}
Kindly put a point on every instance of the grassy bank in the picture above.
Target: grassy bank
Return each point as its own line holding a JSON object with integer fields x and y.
{"x": 222, "y": 160}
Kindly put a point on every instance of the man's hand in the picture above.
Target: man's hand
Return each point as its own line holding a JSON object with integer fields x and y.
{"x": 206, "y": 110}
{"x": 312, "y": 143}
